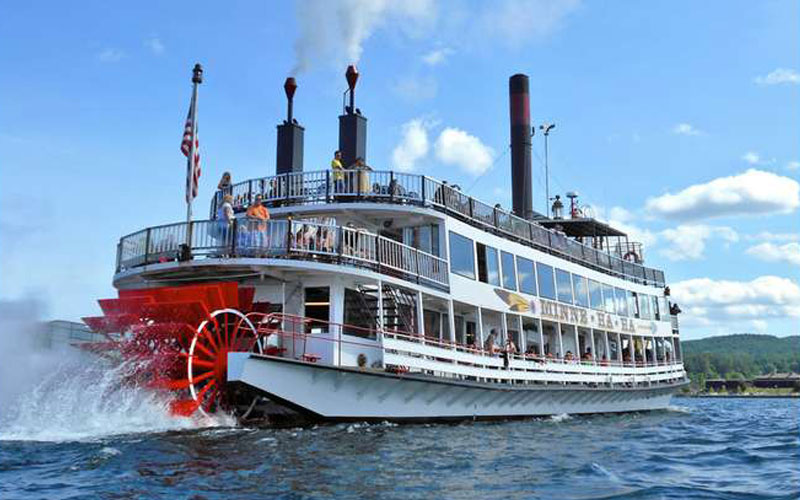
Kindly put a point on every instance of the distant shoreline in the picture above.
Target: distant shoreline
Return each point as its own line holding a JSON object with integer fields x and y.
{"x": 739, "y": 396}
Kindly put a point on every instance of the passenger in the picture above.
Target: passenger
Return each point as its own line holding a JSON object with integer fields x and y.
{"x": 338, "y": 172}
{"x": 604, "y": 361}
{"x": 568, "y": 356}
{"x": 511, "y": 347}
{"x": 225, "y": 182}
{"x": 258, "y": 213}
{"x": 587, "y": 356}
{"x": 225, "y": 218}
{"x": 362, "y": 175}
{"x": 489, "y": 346}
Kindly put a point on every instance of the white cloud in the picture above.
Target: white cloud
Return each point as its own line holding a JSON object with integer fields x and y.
{"x": 155, "y": 45}
{"x": 514, "y": 22}
{"x": 624, "y": 220}
{"x": 457, "y": 147}
{"x": 413, "y": 146}
{"x": 778, "y": 76}
{"x": 793, "y": 165}
{"x": 437, "y": 56}
{"x": 336, "y": 31}
{"x": 752, "y": 158}
{"x": 688, "y": 242}
{"x": 768, "y": 236}
{"x": 753, "y": 192}
{"x": 707, "y": 302}
{"x": 110, "y": 55}
{"x": 412, "y": 88}
{"x": 685, "y": 129}
{"x": 770, "y": 252}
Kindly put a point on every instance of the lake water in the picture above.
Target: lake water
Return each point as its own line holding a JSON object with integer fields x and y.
{"x": 700, "y": 448}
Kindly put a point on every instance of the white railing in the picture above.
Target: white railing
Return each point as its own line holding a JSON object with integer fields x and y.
{"x": 385, "y": 186}
{"x": 291, "y": 239}
{"x": 421, "y": 353}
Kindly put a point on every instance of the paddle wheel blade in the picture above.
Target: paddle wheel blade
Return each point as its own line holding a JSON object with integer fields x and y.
{"x": 178, "y": 339}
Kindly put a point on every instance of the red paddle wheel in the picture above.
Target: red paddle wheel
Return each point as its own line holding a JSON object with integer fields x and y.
{"x": 178, "y": 339}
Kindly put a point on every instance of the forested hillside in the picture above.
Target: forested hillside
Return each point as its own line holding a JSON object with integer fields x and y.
{"x": 741, "y": 356}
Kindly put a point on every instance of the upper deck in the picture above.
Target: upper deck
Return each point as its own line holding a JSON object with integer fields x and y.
{"x": 368, "y": 186}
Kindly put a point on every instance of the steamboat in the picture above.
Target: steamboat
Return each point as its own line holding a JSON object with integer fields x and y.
{"x": 376, "y": 295}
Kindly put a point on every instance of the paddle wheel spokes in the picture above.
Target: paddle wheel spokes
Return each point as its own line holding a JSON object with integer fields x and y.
{"x": 225, "y": 330}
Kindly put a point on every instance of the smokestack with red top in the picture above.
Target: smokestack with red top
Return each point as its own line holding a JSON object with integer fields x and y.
{"x": 521, "y": 177}
{"x": 289, "y": 154}
{"x": 352, "y": 125}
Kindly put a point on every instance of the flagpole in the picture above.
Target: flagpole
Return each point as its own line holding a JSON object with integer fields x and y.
{"x": 197, "y": 79}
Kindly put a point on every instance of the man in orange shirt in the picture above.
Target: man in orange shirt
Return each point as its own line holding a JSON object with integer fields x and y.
{"x": 258, "y": 212}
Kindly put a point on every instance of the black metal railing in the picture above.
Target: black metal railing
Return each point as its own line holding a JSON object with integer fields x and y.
{"x": 394, "y": 187}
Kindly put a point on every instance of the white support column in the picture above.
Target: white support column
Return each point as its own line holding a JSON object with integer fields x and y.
{"x": 541, "y": 338}
{"x": 420, "y": 316}
{"x": 380, "y": 310}
{"x": 619, "y": 348}
{"x": 336, "y": 315}
{"x": 504, "y": 330}
{"x": 578, "y": 354}
{"x": 479, "y": 330}
{"x": 560, "y": 341}
{"x": 605, "y": 342}
{"x": 523, "y": 341}
{"x": 594, "y": 347}
{"x": 451, "y": 320}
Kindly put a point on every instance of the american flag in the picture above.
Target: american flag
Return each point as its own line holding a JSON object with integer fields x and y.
{"x": 193, "y": 164}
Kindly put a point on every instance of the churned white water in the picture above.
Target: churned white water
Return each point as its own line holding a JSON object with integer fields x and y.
{"x": 70, "y": 395}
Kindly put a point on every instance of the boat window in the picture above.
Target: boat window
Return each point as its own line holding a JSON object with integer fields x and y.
{"x": 662, "y": 308}
{"x": 509, "y": 275}
{"x": 530, "y": 329}
{"x": 596, "y": 295}
{"x": 488, "y": 265}
{"x": 644, "y": 307}
{"x": 527, "y": 275}
{"x": 622, "y": 301}
{"x": 564, "y": 286}
{"x": 546, "y": 281}
{"x": 462, "y": 256}
{"x": 656, "y": 309}
{"x": 609, "y": 300}
{"x": 633, "y": 305}
{"x": 581, "y": 285}
{"x": 317, "y": 308}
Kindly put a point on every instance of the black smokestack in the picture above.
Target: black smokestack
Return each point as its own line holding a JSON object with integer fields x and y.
{"x": 290, "y": 136}
{"x": 521, "y": 178}
{"x": 352, "y": 125}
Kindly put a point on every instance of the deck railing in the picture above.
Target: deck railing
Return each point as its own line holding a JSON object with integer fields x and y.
{"x": 394, "y": 187}
{"x": 292, "y": 239}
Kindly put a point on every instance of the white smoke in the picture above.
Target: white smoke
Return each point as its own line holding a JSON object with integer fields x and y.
{"x": 335, "y": 30}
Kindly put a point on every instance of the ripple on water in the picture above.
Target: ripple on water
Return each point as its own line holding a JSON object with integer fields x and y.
{"x": 698, "y": 453}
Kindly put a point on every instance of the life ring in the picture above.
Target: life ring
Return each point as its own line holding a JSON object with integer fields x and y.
{"x": 631, "y": 257}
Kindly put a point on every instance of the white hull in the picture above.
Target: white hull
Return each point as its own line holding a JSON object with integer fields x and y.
{"x": 335, "y": 393}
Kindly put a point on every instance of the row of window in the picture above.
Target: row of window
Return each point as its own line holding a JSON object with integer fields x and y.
{"x": 536, "y": 278}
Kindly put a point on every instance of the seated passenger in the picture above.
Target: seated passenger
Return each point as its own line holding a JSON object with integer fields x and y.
{"x": 587, "y": 356}
{"x": 568, "y": 356}
{"x": 604, "y": 360}
{"x": 489, "y": 345}
{"x": 511, "y": 347}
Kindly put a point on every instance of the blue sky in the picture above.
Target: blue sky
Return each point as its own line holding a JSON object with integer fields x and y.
{"x": 676, "y": 120}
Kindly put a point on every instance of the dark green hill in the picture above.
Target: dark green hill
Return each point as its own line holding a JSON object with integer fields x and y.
{"x": 741, "y": 355}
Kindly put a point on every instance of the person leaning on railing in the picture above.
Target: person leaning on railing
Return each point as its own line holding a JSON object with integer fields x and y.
{"x": 225, "y": 218}
{"x": 258, "y": 214}
{"x": 338, "y": 172}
